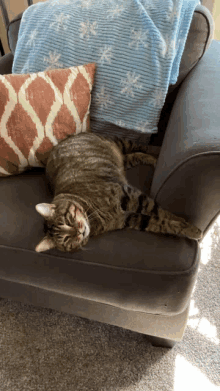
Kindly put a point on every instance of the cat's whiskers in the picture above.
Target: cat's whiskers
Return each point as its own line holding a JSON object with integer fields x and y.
{"x": 95, "y": 211}
{"x": 84, "y": 200}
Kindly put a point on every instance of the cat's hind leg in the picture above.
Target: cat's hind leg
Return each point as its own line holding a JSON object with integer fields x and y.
{"x": 134, "y": 153}
{"x": 162, "y": 225}
{"x": 133, "y": 159}
{"x": 128, "y": 146}
{"x": 144, "y": 214}
{"x": 135, "y": 201}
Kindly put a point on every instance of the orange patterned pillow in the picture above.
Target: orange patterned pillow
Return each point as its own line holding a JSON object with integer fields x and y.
{"x": 38, "y": 110}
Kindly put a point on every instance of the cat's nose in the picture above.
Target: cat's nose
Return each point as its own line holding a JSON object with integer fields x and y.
{"x": 67, "y": 228}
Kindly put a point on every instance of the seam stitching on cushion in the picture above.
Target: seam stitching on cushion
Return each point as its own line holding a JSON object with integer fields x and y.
{"x": 181, "y": 164}
{"x": 208, "y": 35}
{"x": 96, "y": 302}
{"x": 188, "y": 271}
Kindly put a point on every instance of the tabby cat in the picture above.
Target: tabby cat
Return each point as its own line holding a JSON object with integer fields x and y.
{"x": 86, "y": 173}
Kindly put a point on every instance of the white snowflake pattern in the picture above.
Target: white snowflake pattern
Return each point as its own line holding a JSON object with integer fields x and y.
{"x": 163, "y": 46}
{"x": 53, "y": 61}
{"x": 115, "y": 12}
{"x": 60, "y": 22}
{"x": 86, "y": 3}
{"x": 143, "y": 126}
{"x": 105, "y": 54}
{"x": 167, "y": 47}
{"x": 171, "y": 48}
{"x": 102, "y": 99}
{"x": 26, "y": 68}
{"x": 149, "y": 6}
{"x": 181, "y": 42}
{"x": 120, "y": 123}
{"x": 130, "y": 84}
{"x": 138, "y": 38}
{"x": 158, "y": 98}
{"x": 174, "y": 13}
{"x": 32, "y": 39}
{"x": 54, "y": 2}
{"x": 87, "y": 29}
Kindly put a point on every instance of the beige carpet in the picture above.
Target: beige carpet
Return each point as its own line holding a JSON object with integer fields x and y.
{"x": 47, "y": 350}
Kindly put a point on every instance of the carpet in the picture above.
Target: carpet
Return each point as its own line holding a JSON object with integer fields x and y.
{"x": 45, "y": 350}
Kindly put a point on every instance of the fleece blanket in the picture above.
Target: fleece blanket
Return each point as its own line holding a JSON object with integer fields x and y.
{"x": 136, "y": 44}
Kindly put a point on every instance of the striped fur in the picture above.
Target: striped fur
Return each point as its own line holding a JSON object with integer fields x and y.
{"x": 86, "y": 173}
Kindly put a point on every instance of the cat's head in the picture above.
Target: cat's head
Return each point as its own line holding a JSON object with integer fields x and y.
{"x": 66, "y": 226}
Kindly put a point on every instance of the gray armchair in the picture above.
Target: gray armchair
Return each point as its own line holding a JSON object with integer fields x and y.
{"x": 135, "y": 280}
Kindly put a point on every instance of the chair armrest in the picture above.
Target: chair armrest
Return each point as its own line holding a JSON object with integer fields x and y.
{"x": 6, "y": 64}
{"x": 187, "y": 177}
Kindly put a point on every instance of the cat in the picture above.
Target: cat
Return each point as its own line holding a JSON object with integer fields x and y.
{"x": 86, "y": 173}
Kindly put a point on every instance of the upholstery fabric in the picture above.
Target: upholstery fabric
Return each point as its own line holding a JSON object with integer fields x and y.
{"x": 133, "y": 72}
{"x": 40, "y": 109}
{"x": 126, "y": 269}
{"x": 187, "y": 177}
{"x": 6, "y": 64}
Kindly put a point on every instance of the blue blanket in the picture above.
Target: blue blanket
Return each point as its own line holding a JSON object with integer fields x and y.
{"x": 136, "y": 44}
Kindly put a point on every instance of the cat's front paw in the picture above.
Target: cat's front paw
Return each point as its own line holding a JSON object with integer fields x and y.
{"x": 193, "y": 233}
{"x": 187, "y": 229}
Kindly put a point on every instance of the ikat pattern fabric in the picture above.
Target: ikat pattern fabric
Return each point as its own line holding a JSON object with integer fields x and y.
{"x": 136, "y": 44}
{"x": 38, "y": 110}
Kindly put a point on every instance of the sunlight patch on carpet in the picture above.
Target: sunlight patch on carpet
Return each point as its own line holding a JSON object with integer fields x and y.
{"x": 195, "y": 379}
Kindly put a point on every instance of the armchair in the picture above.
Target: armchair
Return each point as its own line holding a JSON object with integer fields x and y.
{"x": 135, "y": 280}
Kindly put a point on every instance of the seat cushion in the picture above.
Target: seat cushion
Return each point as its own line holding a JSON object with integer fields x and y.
{"x": 127, "y": 269}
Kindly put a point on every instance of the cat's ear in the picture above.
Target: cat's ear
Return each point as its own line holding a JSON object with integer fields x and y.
{"x": 45, "y": 210}
{"x": 44, "y": 245}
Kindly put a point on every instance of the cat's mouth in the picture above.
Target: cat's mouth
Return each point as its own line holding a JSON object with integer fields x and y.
{"x": 84, "y": 231}
{"x": 87, "y": 231}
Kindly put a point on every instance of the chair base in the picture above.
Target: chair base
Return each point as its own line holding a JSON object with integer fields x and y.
{"x": 170, "y": 328}
{"x": 161, "y": 342}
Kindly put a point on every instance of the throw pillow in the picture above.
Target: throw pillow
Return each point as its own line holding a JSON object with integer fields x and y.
{"x": 38, "y": 110}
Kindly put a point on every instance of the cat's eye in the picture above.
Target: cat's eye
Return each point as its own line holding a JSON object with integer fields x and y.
{"x": 69, "y": 218}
